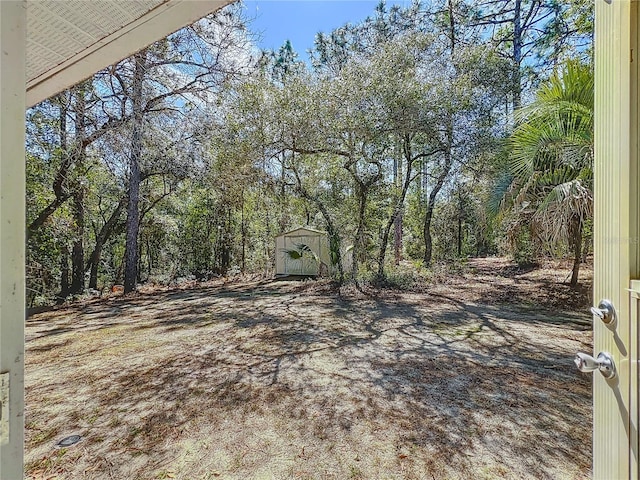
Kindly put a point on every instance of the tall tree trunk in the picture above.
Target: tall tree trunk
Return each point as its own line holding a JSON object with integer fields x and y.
{"x": 384, "y": 241}
{"x": 397, "y": 209}
{"x": 460, "y": 215}
{"x": 397, "y": 237}
{"x": 77, "y": 252}
{"x": 424, "y": 181}
{"x": 226, "y": 243}
{"x": 64, "y": 274}
{"x": 397, "y": 221}
{"x": 101, "y": 238}
{"x": 284, "y": 217}
{"x": 428, "y": 241}
{"x": 459, "y": 235}
{"x": 359, "y": 240}
{"x": 585, "y": 249}
{"x": 335, "y": 245}
{"x": 517, "y": 54}
{"x": 133, "y": 210}
{"x": 149, "y": 258}
{"x": 452, "y": 25}
{"x": 428, "y": 217}
{"x": 243, "y": 232}
{"x": 60, "y": 198}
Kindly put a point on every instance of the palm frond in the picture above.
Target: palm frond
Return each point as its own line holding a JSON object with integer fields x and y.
{"x": 499, "y": 193}
{"x": 551, "y": 159}
{"x": 566, "y": 204}
{"x": 299, "y": 251}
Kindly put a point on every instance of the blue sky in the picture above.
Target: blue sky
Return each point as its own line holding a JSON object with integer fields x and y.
{"x": 300, "y": 20}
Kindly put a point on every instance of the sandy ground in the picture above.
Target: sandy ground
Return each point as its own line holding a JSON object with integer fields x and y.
{"x": 469, "y": 378}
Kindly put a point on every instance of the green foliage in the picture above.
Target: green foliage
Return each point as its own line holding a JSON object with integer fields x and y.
{"x": 410, "y": 101}
{"x": 525, "y": 253}
{"x": 401, "y": 277}
{"x": 552, "y": 162}
{"x": 552, "y": 152}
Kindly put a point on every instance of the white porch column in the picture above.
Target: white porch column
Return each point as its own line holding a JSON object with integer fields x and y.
{"x": 12, "y": 228}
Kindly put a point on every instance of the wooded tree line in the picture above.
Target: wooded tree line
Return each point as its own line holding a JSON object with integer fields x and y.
{"x": 426, "y": 133}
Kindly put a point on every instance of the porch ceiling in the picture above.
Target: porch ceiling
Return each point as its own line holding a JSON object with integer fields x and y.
{"x": 69, "y": 40}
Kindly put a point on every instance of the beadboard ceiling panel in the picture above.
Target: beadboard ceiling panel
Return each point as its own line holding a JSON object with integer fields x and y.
{"x": 69, "y": 40}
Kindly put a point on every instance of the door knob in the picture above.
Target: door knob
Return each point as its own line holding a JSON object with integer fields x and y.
{"x": 604, "y": 363}
{"x": 605, "y": 311}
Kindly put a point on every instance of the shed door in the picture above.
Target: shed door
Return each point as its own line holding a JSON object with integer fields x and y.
{"x": 616, "y": 236}
{"x": 308, "y": 263}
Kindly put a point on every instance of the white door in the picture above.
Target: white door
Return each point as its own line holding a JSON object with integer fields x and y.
{"x": 308, "y": 263}
{"x": 616, "y": 237}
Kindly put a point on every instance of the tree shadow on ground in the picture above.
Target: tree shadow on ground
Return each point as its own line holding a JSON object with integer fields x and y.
{"x": 400, "y": 387}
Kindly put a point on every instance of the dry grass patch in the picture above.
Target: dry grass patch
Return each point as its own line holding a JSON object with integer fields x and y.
{"x": 282, "y": 380}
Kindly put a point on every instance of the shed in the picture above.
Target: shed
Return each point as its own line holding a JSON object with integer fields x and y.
{"x": 302, "y": 251}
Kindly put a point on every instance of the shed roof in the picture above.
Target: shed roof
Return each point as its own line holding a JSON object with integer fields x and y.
{"x": 309, "y": 229}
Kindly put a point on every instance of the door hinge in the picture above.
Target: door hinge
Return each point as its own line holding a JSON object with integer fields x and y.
{"x": 4, "y": 408}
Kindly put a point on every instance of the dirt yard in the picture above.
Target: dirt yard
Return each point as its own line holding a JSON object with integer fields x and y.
{"x": 469, "y": 379}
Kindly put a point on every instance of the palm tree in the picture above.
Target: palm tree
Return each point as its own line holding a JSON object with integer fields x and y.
{"x": 551, "y": 161}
